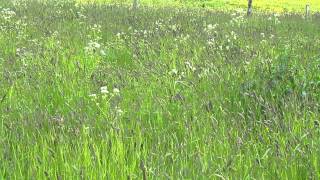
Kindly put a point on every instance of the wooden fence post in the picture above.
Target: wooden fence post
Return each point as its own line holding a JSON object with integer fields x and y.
{"x": 307, "y": 11}
{"x": 249, "y": 12}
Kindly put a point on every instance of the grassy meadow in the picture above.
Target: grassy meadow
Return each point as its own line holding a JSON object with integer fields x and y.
{"x": 101, "y": 91}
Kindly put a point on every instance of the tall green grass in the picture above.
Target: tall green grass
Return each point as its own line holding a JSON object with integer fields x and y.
{"x": 192, "y": 94}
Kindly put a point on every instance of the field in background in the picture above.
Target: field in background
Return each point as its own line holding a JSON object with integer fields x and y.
{"x": 261, "y": 5}
{"x": 103, "y": 92}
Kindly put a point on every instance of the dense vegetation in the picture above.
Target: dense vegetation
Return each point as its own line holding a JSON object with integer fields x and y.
{"x": 96, "y": 91}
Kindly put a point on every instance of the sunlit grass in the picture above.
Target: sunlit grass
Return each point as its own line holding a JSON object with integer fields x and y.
{"x": 93, "y": 91}
{"x": 278, "y": 6}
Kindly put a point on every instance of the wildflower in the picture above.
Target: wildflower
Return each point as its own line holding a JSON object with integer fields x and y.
{"x": 93, "y": 95}
{"x": 211, "y": 41}
{"x": 116, "y": 91}
{"x": 92, "y": 47}
{"x": 7, "y": 14}
{"x": 95, "y": 45}
{"x": 234, "y": 35}
{"x": 173, "y": 72}
{"x": 118, "y": 35}
{"x": 102, "y": 52}
{"x": 104, "y": 90}
{"x": 263, "y": 41}
{"x": 211, "y": 27}
{"x": 277, "y": 21}
{"x": 58, "y": 119}
{"x": 119, "y": 111}
{"x": 80, "y": 15}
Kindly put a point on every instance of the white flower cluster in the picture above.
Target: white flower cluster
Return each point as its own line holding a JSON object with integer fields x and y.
{"x": 233, "y": 35}
{"x": 104, "y": 97}
{"x": 211, "y": 28}
{"x": 238, "y": 18}
{"x": 274, "y": 19}
{"x": 173, "y": 27}
{"x": 94, "y": 47}
{"x": 81, "y": 15}
{"x": 142, "y": 32}
{"x": 20, "y": 3}
{"x": 120, "y": 34}
{"x": 159, "y": 25}
{"x": 104, "y": 91}
{"x": 173, "y": 72}
{"x": 7, "y": 14}
{"x": 182, "y": 38}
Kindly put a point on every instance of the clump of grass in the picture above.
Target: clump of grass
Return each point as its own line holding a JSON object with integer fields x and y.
{"x": 100, "y": 91}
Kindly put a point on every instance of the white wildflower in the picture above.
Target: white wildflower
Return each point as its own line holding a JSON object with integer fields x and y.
{"x": 93, "y": 96}
{"x": 102, "y": 52}
{"x": 173, "y": 72}
{"x": 119, "y": 111}
{"x": 104, "y": 90}
{"x": 116, "y": 91}
{"x": 92, "y": 47}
